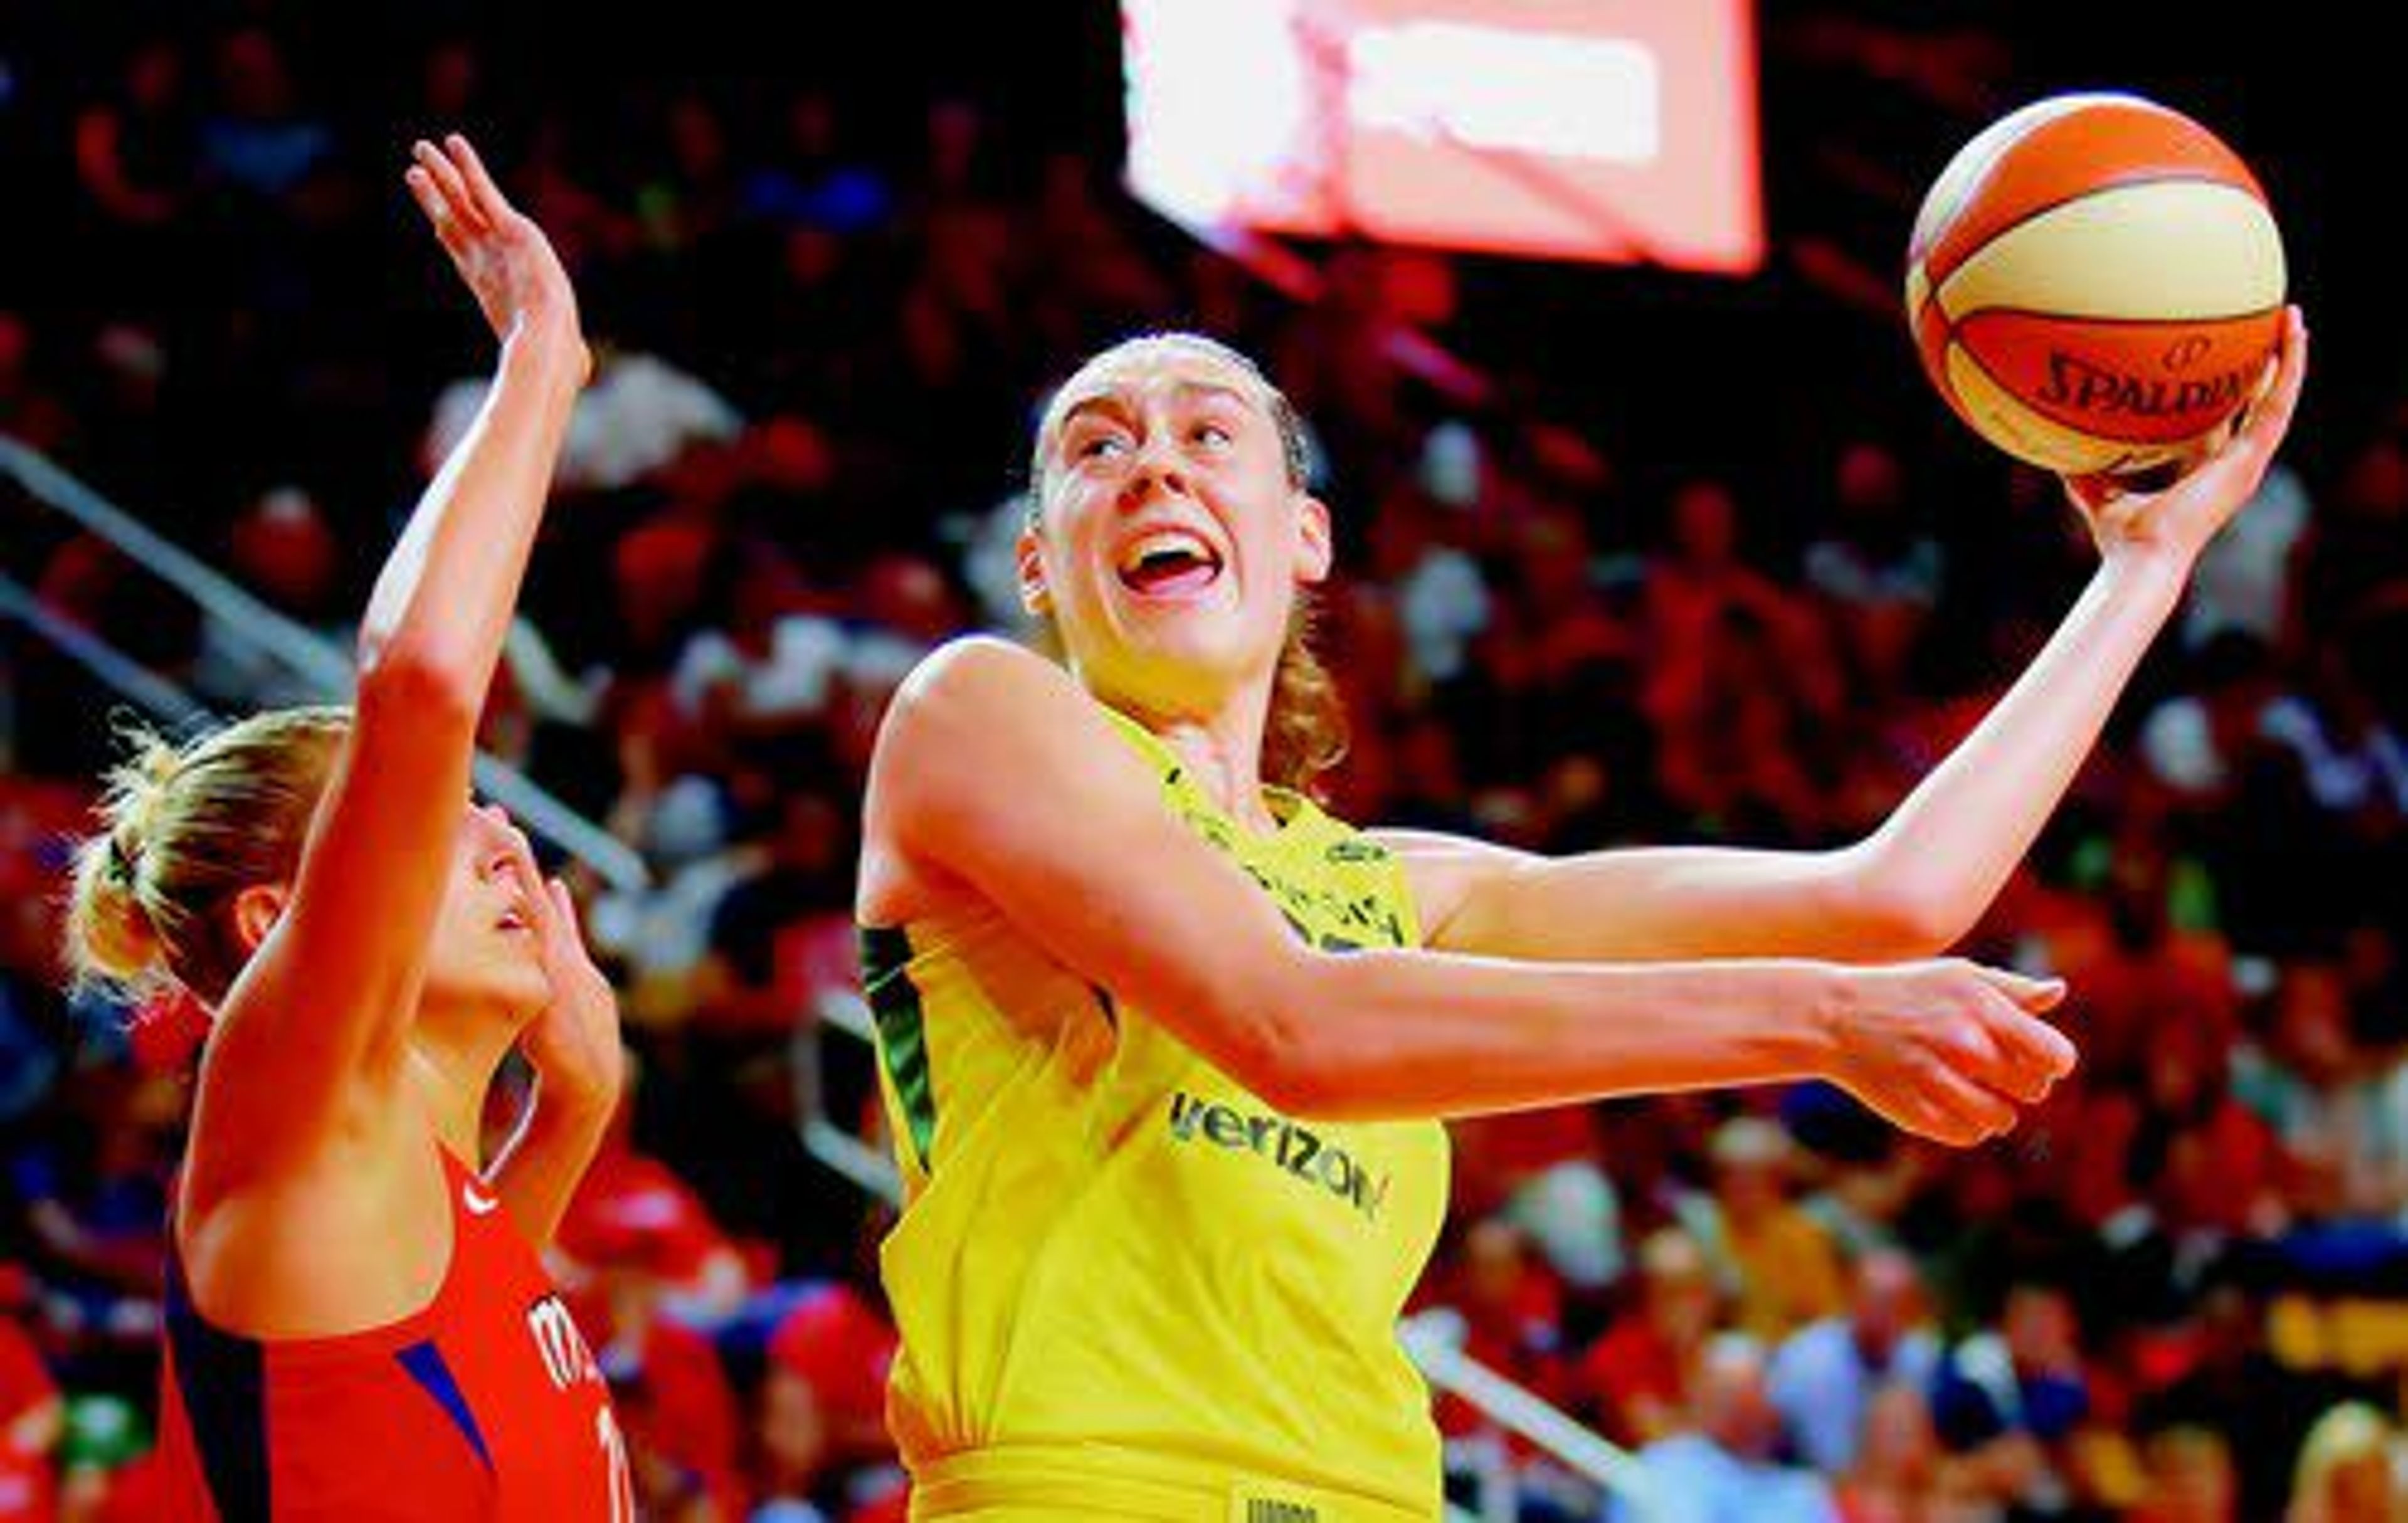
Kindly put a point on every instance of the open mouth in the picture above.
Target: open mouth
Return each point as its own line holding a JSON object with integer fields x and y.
{"x": 1169, "y": 561}
{"x": 514, "y": 922}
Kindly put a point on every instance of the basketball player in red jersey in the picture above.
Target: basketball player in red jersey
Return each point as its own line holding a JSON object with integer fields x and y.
{"x": 357, "y": 1324}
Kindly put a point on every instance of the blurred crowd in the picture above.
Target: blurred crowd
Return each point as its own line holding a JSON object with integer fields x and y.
{"x": 1588, "y": 596}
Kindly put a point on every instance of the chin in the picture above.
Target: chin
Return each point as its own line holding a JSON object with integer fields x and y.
{"x": 1184, "y": 661}
{"x": 515, "y": 994}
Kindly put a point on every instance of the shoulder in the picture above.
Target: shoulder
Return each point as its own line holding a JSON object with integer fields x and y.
{"x": 982, "y": 743}
{"x": 975, "y": 671}
{"x": 967, "y": 687}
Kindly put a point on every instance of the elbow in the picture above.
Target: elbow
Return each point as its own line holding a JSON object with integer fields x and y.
{"x": 1291, "y": 1078}
{"x": 428, "y": 685}
{"x": 1295, "y": 1067}
{"x": 1897, "y": 915}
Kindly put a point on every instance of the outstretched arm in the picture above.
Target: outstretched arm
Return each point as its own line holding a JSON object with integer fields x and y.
{"x": 1925, "y": 877}
{"x": 320, "y": 1015}
{"x": 1063, "y": 830}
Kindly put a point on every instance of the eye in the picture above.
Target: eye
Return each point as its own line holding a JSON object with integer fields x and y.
{"x": 1217, "y": 435}
{"x": 1100, "y": 446}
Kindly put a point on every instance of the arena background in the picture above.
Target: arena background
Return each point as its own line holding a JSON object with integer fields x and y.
{"x": 833, "y": 259}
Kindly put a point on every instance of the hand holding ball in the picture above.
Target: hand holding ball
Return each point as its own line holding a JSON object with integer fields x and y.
{"x": 2096, "y": 285}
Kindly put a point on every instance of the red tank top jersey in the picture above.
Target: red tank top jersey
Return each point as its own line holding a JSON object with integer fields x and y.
{"x": 486, "y": 1404}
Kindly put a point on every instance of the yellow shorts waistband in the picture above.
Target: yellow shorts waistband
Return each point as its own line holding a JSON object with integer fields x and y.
{"x": 1010, "y": 1485}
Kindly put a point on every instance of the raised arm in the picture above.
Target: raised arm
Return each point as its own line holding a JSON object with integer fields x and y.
{"x": 1927, "y": 875}
{"x": 324, "y": 1006}
{"x": 995, "y": 776}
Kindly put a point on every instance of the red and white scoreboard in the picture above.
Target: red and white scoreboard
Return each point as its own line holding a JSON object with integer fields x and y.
{"x": 1620, "y": 131}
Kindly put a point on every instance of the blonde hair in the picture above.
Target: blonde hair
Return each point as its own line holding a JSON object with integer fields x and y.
{"x": 2349, "y": 1433}
{"x": 185, "y": 827}
{"x": 1306, "y": 734}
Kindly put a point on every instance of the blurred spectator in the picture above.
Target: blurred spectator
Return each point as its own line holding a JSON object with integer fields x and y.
{"x": 2348, "y": 1469}
{"x": 1632, "y": 1377}
{"x": 93, "y": 1203}
{"x": 757, "y": 977}
{"x": 2338, "y": 1115}
{"x": 2230, "y": 1383}
{"x": 137, "y": 159}
{"x": 638, "y": 416}
{"x": 668, "y": 1386}
{"x": 812, "y": 178}
{"x": 2353, "y": 762}
{"x": 630, "y": 1205}
{"x": 105, "y": 1459}
{"x": 1541, "y": 1170}
{"x": 1697, "y": 579}
{"x": 823, "y": 1442}
{"x": 32, "y": 1413}
{"x": 256, "y": 140}
{"x": 134, "y": 148}
{"x": 2197, "y": 742}
{"x": 1512, "y": 1313}
{"x": 657, "y": 935}
{"x": 1724, "y": 1465}
{"x": 2248, "y": 575}
{"x": 2190, "y": 1479}
{"x": 27, "y": 410}
{"x": 773, "y": 667}
{"x": 2011, "y": 1401}
{"x": 283, "y": 549}
{"x": 1778, "y": 1261}
{"x": 1900, "y": 1473}
{"x": 1825, "y": 1374}
{"x": 1875, "y": 566}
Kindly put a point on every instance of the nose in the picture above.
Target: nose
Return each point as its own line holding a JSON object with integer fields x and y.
{"x": 1158, "y": 468}
{"x": 500, "y": 843}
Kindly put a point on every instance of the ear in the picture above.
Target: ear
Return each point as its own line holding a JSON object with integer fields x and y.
{"x": 1314, "y": 549}
{"x": 1034, "y": 596}
{"x": 256, "y": 911}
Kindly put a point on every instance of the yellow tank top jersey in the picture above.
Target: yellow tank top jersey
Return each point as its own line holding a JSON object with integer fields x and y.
{"x": 1126, "y": 1286}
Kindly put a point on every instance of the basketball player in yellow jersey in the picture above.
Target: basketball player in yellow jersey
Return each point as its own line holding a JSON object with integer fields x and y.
{"x": 1168, "y": 1050}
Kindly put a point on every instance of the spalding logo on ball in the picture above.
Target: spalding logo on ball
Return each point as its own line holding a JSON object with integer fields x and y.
{"x": 2096, "y": 284}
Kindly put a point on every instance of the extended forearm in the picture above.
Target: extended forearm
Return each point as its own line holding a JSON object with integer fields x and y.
{"x": 1948, "y": 848}
{"x": 446, "y": 594}
{"x": 1410, "y": 1033}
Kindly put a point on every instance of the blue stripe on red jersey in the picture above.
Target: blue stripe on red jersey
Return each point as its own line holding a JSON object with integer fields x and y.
{"x": 425, "y": 1363}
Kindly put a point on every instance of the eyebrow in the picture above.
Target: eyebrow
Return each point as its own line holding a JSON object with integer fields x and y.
{"x": 1112, "y": 399}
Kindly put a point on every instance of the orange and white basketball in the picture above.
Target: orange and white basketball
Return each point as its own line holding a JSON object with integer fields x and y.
{"x": 2096, "y": 284}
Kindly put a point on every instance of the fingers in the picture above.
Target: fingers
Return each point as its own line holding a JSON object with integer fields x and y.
{"x": 1988, "y": 1050}
{"x": 452, "y": 185}
{"x": 2037, "y": 994}
{"x": 491, "y": 204}
{"x": 564, "y": 909}
{"x": 430, "y": 200}
{"x": 1949, "y": 1107}
{"x": 1980, "y": 1056}
{"x": 2269, "y": 416}
{"x": 2032, "y": 1055}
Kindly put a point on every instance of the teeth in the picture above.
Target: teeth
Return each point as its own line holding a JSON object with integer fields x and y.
{"x": 1165, "y": 542}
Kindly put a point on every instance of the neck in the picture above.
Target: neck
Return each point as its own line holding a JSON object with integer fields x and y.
{"x": 1221, "y": 747}
{"x": 453, "y": 1062}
